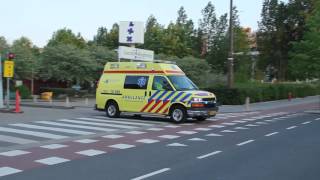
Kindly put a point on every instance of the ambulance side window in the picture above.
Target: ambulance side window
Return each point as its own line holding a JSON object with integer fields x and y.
{"x": 161, "y": 83}
{"x": 136, "y": 82}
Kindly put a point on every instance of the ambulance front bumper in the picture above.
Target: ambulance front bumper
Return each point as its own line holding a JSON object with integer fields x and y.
{"x": 202, "y": 112}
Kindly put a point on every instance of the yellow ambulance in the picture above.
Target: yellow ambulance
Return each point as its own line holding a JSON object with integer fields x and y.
{"x": 152, "y": 87}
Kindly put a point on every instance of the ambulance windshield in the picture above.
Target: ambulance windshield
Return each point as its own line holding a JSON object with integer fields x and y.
{"x": 182, "y": 83}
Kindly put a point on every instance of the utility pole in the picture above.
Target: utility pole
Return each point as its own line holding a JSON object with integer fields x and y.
{"x": 231, "y": 55}
{"x": 1, "y": 85}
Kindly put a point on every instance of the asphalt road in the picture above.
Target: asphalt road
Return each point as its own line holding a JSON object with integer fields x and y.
{"x": 280, "y": 144}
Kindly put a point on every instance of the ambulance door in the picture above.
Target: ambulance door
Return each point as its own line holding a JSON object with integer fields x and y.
{"x": 160, "y": 94}
{"x": 135, "y": 92}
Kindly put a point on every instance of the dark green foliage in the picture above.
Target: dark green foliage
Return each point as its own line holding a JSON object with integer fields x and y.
{"x": 262, "y": 92}
{"x": 24, "y": 91}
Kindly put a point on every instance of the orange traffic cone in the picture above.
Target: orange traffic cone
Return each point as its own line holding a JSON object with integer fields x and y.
{"x": 18, "y": 109}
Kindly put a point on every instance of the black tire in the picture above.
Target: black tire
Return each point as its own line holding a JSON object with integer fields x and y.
{"x": 112, "y": 110}
{"x": 201, "y": 118}
{"x": 178, "y": 114}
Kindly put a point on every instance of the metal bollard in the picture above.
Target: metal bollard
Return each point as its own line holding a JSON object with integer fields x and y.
{"x": 247, "y": 103}
{"x": 67, "y": 102}
{"x": 35, "y": 99}
{"x": 86, "y": 101}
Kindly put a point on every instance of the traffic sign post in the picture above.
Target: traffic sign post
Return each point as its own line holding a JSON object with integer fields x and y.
{"x": 8, "y": 72}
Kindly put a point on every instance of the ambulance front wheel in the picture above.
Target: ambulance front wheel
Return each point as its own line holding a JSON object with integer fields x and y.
{"x": 112, "y": 109}
{"x": 178, "y": 114}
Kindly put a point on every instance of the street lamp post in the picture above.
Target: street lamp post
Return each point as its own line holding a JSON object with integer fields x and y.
{"x": 1, "y": 85}
{"x": 231, "y": 55}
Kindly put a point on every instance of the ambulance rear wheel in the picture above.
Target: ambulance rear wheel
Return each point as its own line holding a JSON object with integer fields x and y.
{"x": 112, "y": 109}
{"x": 178, "y": 114}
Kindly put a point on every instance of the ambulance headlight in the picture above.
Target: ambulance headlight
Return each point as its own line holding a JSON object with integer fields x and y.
{"x": 196, "y": 99}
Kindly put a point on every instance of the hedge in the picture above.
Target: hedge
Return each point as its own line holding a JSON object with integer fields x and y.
{"x": 260, "y": 93}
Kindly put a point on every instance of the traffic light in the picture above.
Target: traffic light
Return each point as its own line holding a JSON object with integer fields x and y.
{"x": 11, "y": 56}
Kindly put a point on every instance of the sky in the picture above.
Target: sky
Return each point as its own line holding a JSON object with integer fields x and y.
{"x": 38, "y": 19}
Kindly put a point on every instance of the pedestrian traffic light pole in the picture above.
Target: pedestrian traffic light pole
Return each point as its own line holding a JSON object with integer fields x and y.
{"x": 231, "y": 53}
{"x": 1, "y": 85}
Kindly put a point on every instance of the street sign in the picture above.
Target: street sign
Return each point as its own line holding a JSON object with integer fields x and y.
{"x": 8, "y": 69}
{"x": 131, "y": 32}
{"x": 135, "y": 54}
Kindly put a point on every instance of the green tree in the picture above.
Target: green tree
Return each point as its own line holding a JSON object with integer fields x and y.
{"x": 65, "y": 62}
{"x": 305, "y": 55}
{"x": 113, "y": 37}
{"x": 153, "y": 36}
{"x": 26, "y": 62}
{"x": 102, "y": 37}
{"x": 4, "y": 46}
{"x": 66, "y": 36}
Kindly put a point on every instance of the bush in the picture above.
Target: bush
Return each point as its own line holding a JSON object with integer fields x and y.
{"x": 25, "y": 93}
{"x": 262, "y": 92}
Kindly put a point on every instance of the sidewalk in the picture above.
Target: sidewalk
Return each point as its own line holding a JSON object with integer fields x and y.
{"x": 89, "y": 103}
{"x": 272, "y": 104}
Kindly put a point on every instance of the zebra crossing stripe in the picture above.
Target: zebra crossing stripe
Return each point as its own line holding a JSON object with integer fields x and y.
{"x": 71, "y": 131}
{"x": 15, "y": 140}
{"x": 98, "y": 124}
{"x": 32, "y": 133}
{"x": 117, "y": 122}
{"x": 76, "y": 126}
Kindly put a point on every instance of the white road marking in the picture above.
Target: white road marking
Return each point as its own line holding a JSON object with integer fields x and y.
{"x": 113, "y": 136}
{"x": 196, "y": 139}
{"x": 155, "y": 129}
{"x": 147, "y": 141}
{"x": 91, "y": 152}
{"x": 307, "y": 122}
{"x": 317, "y": 119}
{"x": 4, "y": 171}
{"x": 271, "y": 134}
{"x": 251, "y": 125}
{"x": 245, "y": 142}
{"x": 187, "y": 132}
{"x": 54, "y": 146}
{"x": 32, "y": 133}
{"x": 172, "y": 126}
{"x": 216, "y": 126}
{"x": 117, "y": 122}
{"x": 229, "y": 124}
{"x": 52, "y": 160}
{"x": 86, "y": 141}
{"x": 122, "y": 146}
{"x": 76, "y": 126}
{"x": 210, "y": 154}
{"x": 15, "y": 140}
{"x": 261, "y": 123}
{"x": 213, "y": 134}
{"x": 169, "y": 136}
{"x": 241, "y": 128}
{"x": 238, "y": 121}
{"x": 151, "y": 174}
{"x": 135, "y": 132}
{"x": 291, "y": 127}
{"x": 228, "y": 131}
{"x": 14, "y": 153}
{"x": 248, "y": 119}
{"x": 70, "y": 131}
{"x": 98, "y": 124}
{"x": 270, "y": 120}
{"x": 176, "y": 145}
{"x": 202, "y": 129}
